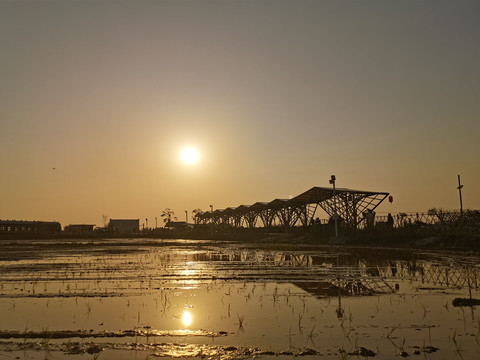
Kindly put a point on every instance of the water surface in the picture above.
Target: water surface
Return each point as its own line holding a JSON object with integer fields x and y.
{"x": 144, "y": 298}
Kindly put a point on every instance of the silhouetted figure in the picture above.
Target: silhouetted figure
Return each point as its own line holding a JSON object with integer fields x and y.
{"x": 390, "y": 220}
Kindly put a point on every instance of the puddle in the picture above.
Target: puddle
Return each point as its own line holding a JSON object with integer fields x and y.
{"x": 145, "y": 298}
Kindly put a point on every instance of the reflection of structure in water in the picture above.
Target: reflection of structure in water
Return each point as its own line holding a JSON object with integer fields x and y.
{"x": 429, "y": 272}
{"x": 273, "y": 258}
{"x": 326, "y": 289}
{"x": 346, "y": 286}
{"x": 359, "y": 273}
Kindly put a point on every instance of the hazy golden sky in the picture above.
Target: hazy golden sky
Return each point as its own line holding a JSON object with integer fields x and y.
{"x": 275, "y": 95}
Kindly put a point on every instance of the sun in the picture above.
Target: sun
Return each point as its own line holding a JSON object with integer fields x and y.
{"x": 189, "y": 155}
{"x": 187, "y": 318}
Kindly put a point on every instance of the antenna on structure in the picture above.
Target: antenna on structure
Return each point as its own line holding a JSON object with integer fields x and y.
{"x": 335, "y": 215}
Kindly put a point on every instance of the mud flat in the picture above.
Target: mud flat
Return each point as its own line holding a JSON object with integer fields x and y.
{"x": 149, "y": 298}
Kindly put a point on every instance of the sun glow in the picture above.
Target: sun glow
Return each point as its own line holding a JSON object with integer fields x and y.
{"x": 189, "y": 155}
{"x": 187, "y": 318}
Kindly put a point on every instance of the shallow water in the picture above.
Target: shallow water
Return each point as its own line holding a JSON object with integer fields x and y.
{"x": 143, "y": 298}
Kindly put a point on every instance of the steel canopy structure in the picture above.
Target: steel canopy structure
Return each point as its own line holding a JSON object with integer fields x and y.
{"x": 298, "y": 211}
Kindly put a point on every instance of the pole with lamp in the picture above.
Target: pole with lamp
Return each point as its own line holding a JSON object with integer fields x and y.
{"x": 335, "y": 216}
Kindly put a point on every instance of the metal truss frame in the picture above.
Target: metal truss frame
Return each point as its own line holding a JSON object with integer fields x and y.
{"x": 351, "y": 205}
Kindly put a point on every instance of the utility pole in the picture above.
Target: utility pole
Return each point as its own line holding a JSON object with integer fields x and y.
{"x": 335, "y": 216}
{"x": 186, "y": 216}
{"x": 460, "y": 186}
{"x": 211, "y": 213}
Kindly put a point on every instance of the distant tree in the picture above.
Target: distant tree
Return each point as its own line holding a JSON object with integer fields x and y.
{"x": 167, "y": 215}
{"x": 195, "y": 213}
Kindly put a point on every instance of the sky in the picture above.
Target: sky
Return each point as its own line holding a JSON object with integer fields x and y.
{"x": 98, "y": 98}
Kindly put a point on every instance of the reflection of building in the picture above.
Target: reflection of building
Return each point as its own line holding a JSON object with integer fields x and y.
{"x": 124, "y": 226}
{"x": 29, "y": 226}
{"x": 79, "y": 228}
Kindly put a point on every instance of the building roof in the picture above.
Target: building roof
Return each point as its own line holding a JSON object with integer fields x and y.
{"x": 28, "y": 222}
{"x": 319, "y": 194}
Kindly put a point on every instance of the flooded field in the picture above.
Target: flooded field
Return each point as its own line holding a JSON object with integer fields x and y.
{"x": 145, "y": 298}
